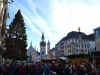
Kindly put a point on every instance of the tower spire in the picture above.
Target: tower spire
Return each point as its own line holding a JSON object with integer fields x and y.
{"x": 48, "y": 42}
{"x": 35, "y": 47}
{"x": 31, "y": 43}
{"x": 42, "y": 36}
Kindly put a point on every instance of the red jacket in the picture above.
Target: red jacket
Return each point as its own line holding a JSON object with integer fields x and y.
{"x": 93, "y": 73}
{"x": 34, "y": 70}
{"x": 22, "y": 71}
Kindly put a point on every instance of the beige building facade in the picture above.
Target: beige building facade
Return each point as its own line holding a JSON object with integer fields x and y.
{"x": 3, "y": 15}
{"x": 73, "y": 43}
{"x": 51, "y": 54}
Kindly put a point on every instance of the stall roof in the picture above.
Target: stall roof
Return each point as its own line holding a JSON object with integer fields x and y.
{"x": 63, "y": 58}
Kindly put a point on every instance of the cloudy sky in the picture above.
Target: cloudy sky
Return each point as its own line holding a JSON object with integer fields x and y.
{"x": 55, "y": 18}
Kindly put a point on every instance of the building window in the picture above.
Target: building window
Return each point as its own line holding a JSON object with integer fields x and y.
{"x": 42, "y": 52}
{"x": 96, "y": 34}
{"x": 70, "y": 41}
{"x": 85, "y": 45}
{"x": 68, "y": 46}
{"x": 70, "y": 50}
{"x": 83, "y": 41}
{"x": 41, "y": 48}
{"x": 85, "y": 50}
{"x": 65, "y": 47}
{"x": 76, "y": 50}
{"x": 97, "y": 40}
{"x": 76, "y": 45}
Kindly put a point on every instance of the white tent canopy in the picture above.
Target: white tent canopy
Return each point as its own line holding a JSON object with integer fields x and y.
{"x": 63, "y": 58}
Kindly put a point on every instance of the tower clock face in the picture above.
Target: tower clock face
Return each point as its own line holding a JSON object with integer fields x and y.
{"x": 42, "y": 52}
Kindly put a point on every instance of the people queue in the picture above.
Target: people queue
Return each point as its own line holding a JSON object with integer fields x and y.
{"x": 86, "y": 68}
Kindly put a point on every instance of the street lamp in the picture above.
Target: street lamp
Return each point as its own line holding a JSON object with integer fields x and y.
{"x": 7, "y": 17}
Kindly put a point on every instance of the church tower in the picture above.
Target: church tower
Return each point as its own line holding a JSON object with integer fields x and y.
{"x": 42, "y": 48}
{"x": 48, "y": 46}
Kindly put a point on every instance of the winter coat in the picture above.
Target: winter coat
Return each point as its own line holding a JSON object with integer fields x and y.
{"x": 46, "y": 69}
{"x": 34, "y": 70}
{"x": 81, "y": 72}
{"x": 39, "y": 70}
{"x": 89, "y": 68}
{"x": 67, "y": 71}
{"x": 53, "y": 68}
{"x": 22, "y": 71}
{"x": 1, "y": 71}
{"x": 93, "y": 73}
{"x": 29, "y": 70}
{"x": 17, "y": 71}
{"x": 8, "y": 70}
{"x": 98, "y": 72}
{"x": 59, "y": 70}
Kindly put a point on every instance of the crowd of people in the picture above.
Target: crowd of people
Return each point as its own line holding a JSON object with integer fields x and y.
{"x": 55, "y": 68}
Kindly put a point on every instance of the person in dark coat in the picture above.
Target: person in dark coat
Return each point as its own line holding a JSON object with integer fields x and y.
{"x": 42, "y": 69}
{"x": 53, "y": 67}
{"x": 8, "y": 70}
{"x": 26, "y": 68}
{"x": 34, "y": 70}
{"x": 88, "y": 67}
{"x": 59, "y": 70}
{"x": 29, "y": 70}
{"x": 93, "y": 72}
{"x": 47, "y": 69}
{"x": 67, "y": 70}
{"x": 1, "y": 70}
{"x": 17, "y": 70}
{"x": 12, "y": 68}
{"x": 4, "y": 69}
{"x": 82, "y": 70}
{"x": 22, "y": 70}
{"x": 98, "y": 72}
{"x": 39, "y": 70}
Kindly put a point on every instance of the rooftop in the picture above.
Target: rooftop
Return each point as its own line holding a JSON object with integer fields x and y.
{"x": 75, "y": 34}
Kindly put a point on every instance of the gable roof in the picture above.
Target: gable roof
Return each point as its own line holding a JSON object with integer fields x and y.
{"x": 32, "y": 50}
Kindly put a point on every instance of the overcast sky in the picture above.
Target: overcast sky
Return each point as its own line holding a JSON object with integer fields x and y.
{"x": 56, "y": 18}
